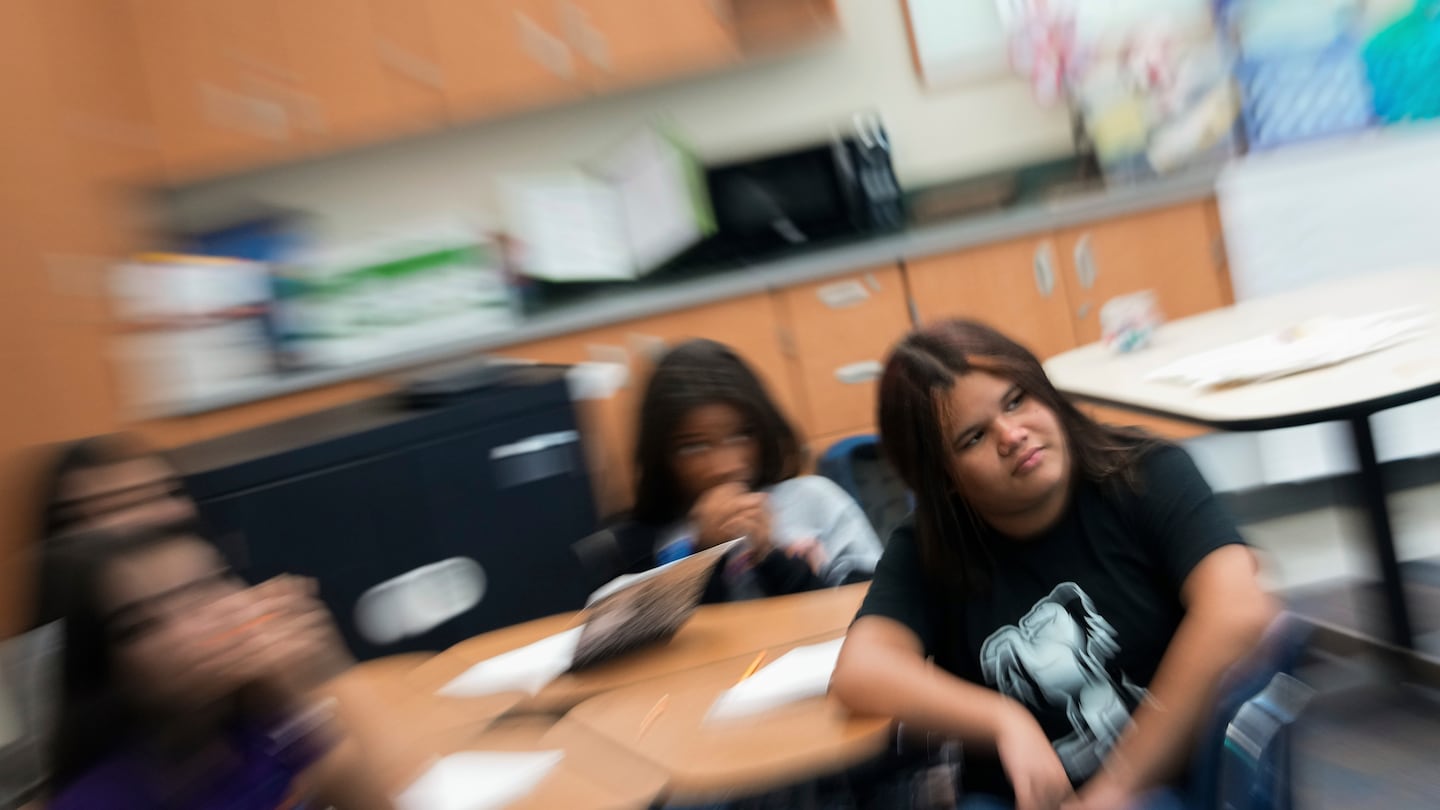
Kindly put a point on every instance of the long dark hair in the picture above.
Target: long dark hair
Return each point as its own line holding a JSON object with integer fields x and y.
{"x": 76, "y": 457}
{"x": 693, "y": 374}
{"x": 57, "y": 519}
{"x": 921, "y": 369}
{"x": 94, "y": 717}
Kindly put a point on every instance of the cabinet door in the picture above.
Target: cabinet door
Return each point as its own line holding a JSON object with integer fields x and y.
{"x": 220, "y": 85}
{"x": 1015, "y": 287}
{"x": 414, "y": 82}
{"x": 497, "y": 56}
{"x": 750, "y": 325}
{"x": 626, "y": 42}
{"x": 768, "y": 25}
{"x": 94, "y": 62}
{"x": 362, "y": 70}
{"x": 1174, "y": 251}
{"x": 840, "y": 330}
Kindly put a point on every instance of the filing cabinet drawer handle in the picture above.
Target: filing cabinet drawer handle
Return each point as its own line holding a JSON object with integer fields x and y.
{"x": 410, "y": 65}
{"x": 534, "y": 444}
{"x": 860, "y": 373}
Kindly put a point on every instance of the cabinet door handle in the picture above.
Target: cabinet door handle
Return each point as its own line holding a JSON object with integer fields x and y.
{"x": 859, "y": 373}
{"x": 1045, "y": 268}
{"x": 544, "y": 47}
{"x": 534, "y": 458}
{"x": 410, "y": 65}
{"x": 586, "y": 38}
{"x": 1087, "y": 270}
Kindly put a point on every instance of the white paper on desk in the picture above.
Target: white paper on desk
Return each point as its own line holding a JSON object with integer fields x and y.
{"x": 527, "y": 669}
{"x": 478, "y": 780}
{"x": 1314, "y": 344}
{"x": 800, "y": 674}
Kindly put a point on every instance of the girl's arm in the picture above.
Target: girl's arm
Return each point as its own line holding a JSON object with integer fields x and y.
{"x": 882, "y": 671}
{"x": 1226, "y": 614}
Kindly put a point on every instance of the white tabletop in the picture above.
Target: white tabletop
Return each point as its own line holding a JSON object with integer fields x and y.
{"x": 1395, "y": 376}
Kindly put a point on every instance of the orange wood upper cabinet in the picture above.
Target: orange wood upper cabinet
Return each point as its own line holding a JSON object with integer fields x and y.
{"x": 1173, "y": 251}
{"x": 220, "y": 84}
{"x": 498, "y": 56}
{"x": 750, "y": 325}
{"x": 94, "y": 64}
{"x": 410, "y": 57}
{"x": 768, "y": 25}
{"x": 840, "y": 330}
{"x": 626, "y": 42}
{"x": 361, "y": 70}
{"x": 1016, "y": 287}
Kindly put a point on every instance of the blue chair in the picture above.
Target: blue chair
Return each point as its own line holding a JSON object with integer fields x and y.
{"x": 856, "y": 466}
{"x": 1242, "y": 761}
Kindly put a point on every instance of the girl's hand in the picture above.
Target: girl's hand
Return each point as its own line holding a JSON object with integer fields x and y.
{"x": 275, "y": 636}
{"x": 812, "y": 552}
{"x": 1031, "y": 763}
{"x": 297, "y": 645}
{"x": 729, "y": 511}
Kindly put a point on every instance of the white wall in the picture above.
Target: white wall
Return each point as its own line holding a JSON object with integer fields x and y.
{"x": 937, "y": 135}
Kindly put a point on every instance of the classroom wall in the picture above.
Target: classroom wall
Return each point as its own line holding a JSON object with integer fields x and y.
{"x": 937, "y": 135}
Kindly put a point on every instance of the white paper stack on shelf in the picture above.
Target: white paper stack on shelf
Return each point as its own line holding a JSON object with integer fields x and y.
{"x": 1313, "y": 344}
{"x": 478, "y": 780}
{"x": 526, "y": 669}
{"x": 800, "y": 674}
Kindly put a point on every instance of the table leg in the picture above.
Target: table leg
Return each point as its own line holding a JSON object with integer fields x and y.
{"x": 1377, "y": 511}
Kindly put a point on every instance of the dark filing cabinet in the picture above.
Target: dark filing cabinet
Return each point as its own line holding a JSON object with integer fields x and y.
{"x": 357, "y": 495}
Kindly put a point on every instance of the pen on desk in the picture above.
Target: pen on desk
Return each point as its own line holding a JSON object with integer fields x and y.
{"x": 655, "y": 712}
{"x": 750, "y": 670}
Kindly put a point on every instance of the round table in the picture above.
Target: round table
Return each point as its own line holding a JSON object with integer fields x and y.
{"x": 715, "y": 633}
{"x": 664, "y": 721}
{"x": 402, "y": 728}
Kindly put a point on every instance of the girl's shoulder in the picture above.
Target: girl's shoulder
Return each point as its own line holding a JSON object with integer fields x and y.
{"x": 809, "y": 487}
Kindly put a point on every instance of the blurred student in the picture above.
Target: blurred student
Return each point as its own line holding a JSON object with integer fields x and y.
{"x": 1077, "y": 586}
{"x": 717, "y": 462}
{"x": 102, "y": 482}
{"x": 108, "y": 482}
{"x": 185, "y": 689}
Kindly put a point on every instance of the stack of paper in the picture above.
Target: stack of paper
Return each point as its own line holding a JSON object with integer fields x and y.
{"x": 478, "y": 780}
{"x": 1314, "y": 344}
{"x": 526, "y": 669}
{"x": 800, "y": 674}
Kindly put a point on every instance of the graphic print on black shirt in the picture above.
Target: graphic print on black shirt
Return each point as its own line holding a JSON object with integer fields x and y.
{"x": 1074, "y": 616}
{"x": 1056, "y": 659}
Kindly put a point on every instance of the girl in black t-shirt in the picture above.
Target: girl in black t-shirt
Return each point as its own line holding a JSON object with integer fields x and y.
{"x": 1077, "y": 587}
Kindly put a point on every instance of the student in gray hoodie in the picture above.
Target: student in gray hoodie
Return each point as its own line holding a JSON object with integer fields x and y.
{"x": 717, "y": 461}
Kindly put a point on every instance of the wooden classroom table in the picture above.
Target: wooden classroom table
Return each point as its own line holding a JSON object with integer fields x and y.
{"x": 663, "y": 720}
{"x": 402, "y": 730}
{"x": 715, "y": 633}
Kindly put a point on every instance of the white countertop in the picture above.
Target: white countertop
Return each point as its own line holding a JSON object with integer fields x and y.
{"x": 656, "y": 297}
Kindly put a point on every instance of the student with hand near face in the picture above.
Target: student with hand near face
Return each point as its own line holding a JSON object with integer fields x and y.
{"x": 718, "y": 462}
{"x": 183, "y": 688}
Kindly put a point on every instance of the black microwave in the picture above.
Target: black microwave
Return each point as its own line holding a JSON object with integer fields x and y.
{"x": 844, "y": 187}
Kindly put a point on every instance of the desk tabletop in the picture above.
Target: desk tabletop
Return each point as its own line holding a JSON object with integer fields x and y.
{"x": 714, "y": 633}
{"x": 1404, "y": 373}
{"x": 403, "y": 730}
{"x": 711, "y": 760}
